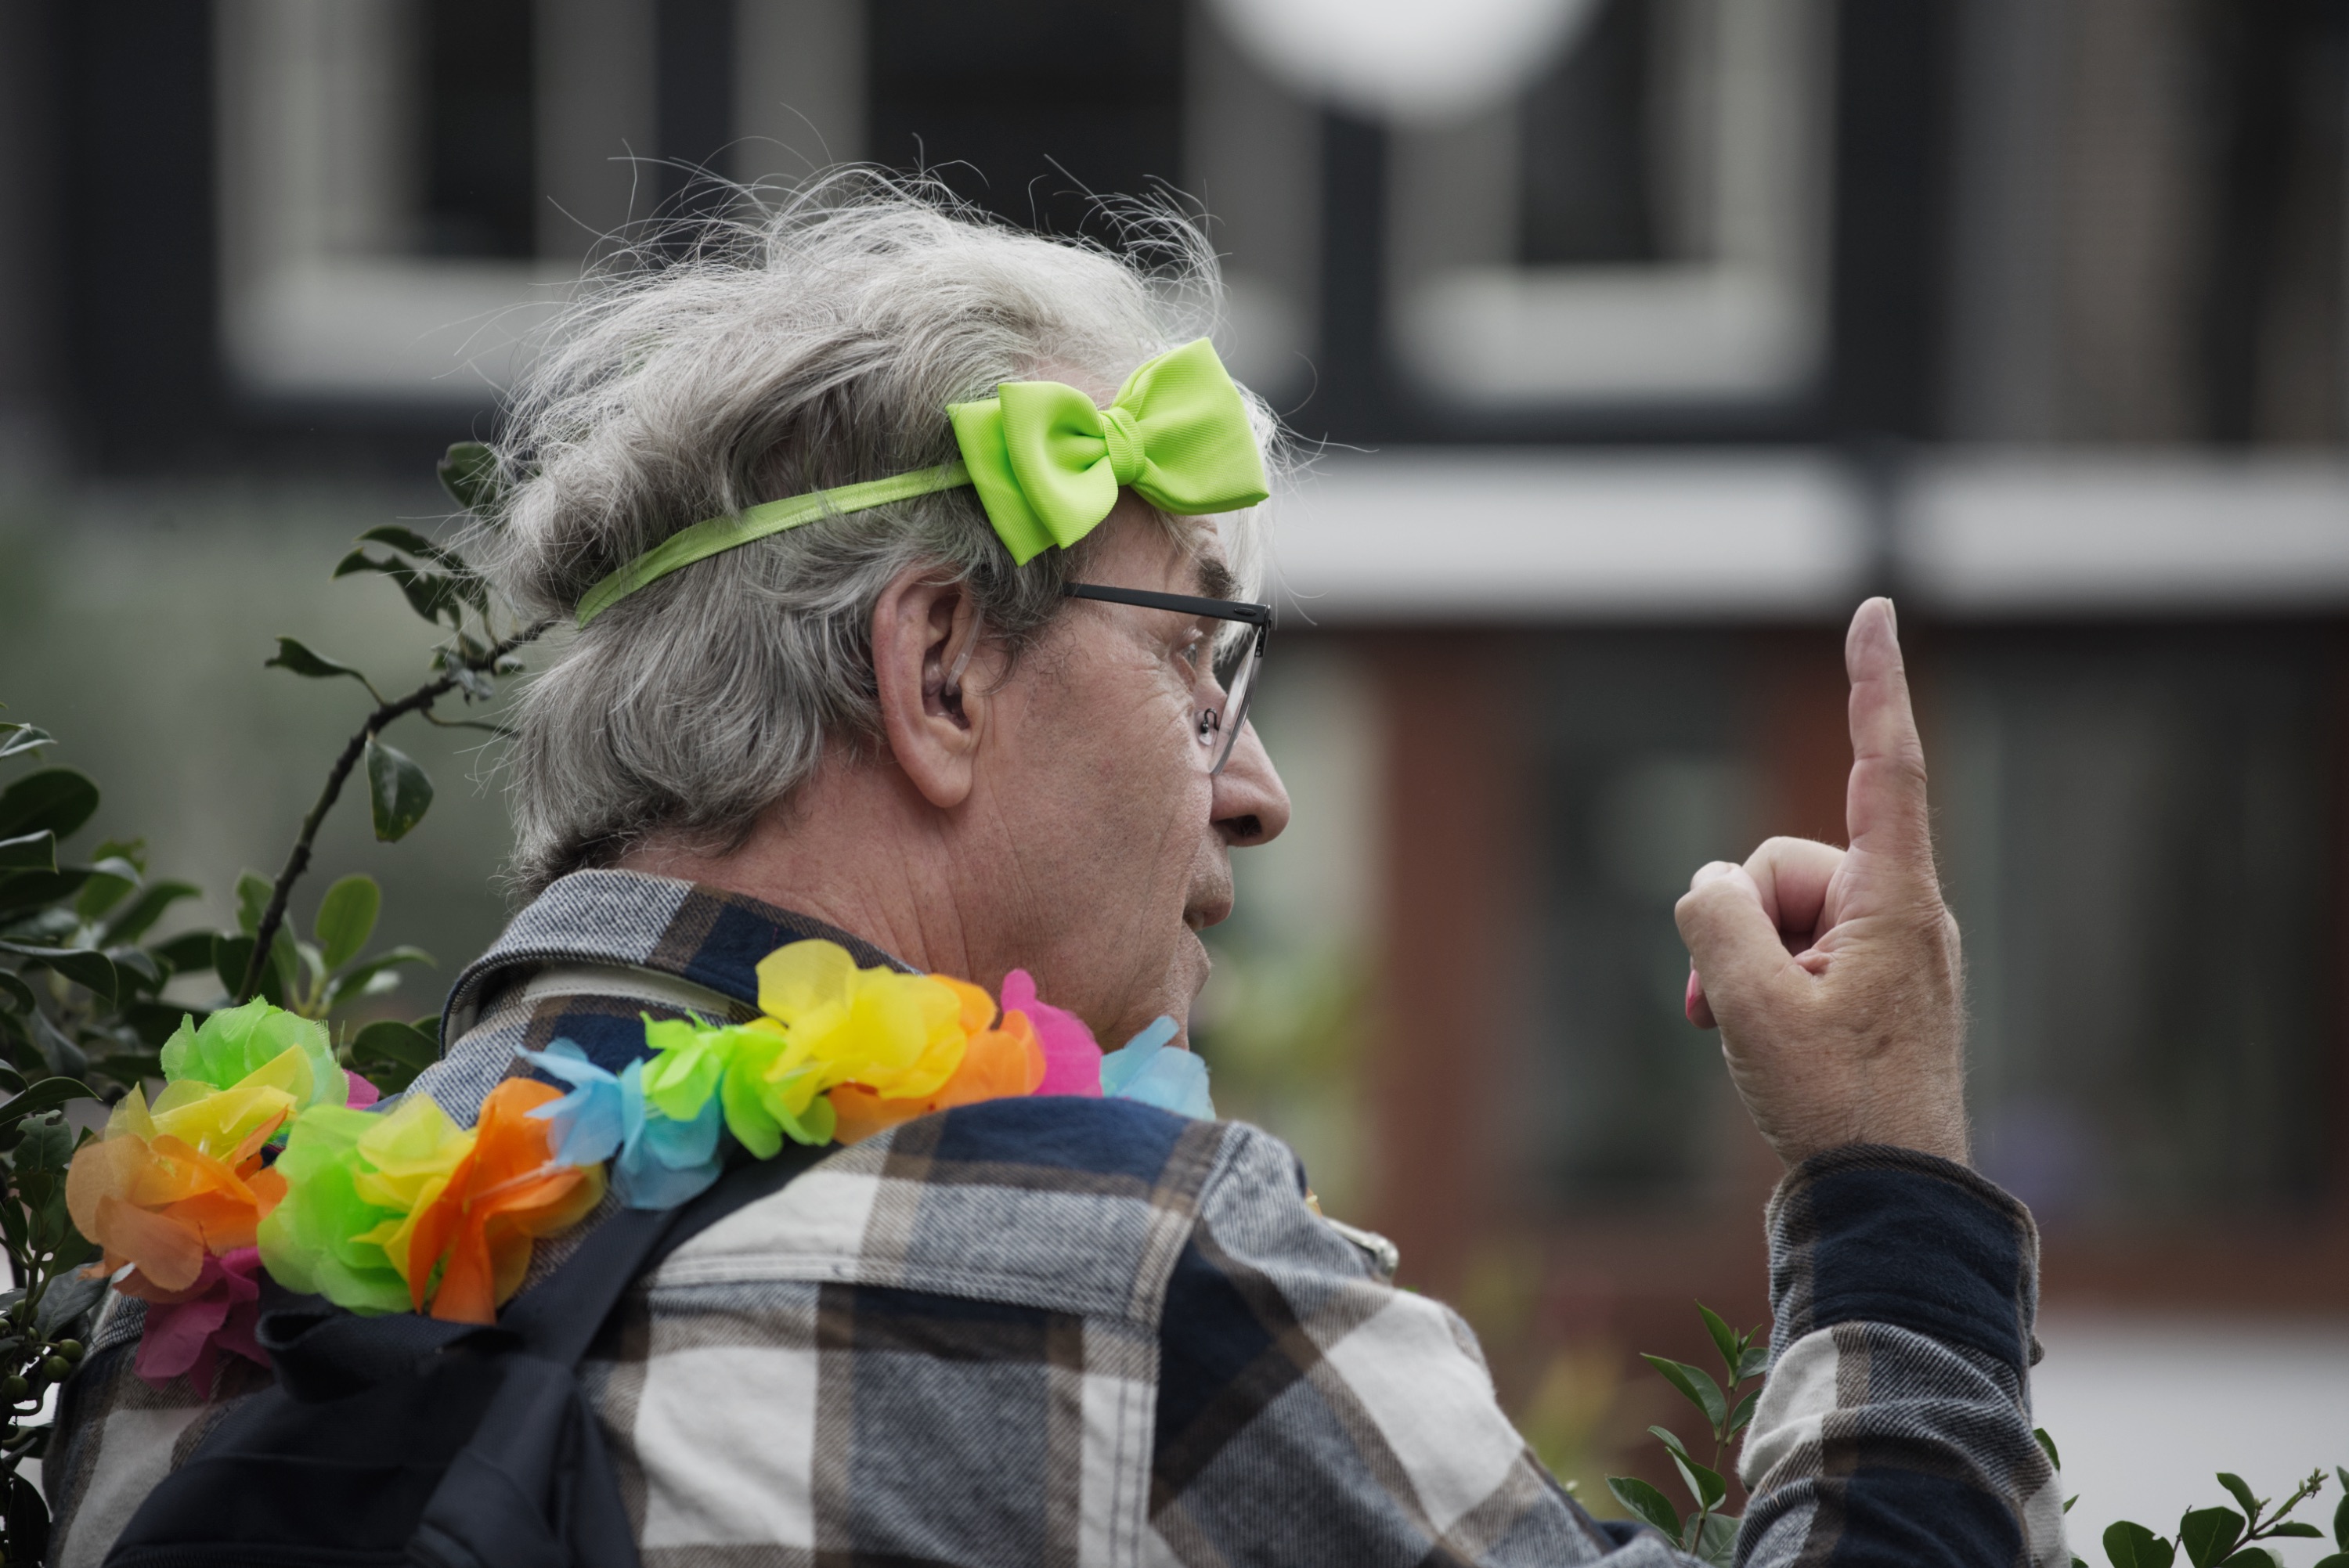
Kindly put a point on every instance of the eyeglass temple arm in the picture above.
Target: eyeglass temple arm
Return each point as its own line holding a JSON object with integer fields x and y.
{"x": 1182, "y": 604}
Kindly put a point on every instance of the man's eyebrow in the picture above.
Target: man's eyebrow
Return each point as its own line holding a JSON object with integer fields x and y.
{"x": 1216, "y": 580}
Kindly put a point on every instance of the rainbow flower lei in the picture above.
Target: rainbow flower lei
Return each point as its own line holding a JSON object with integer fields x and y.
{"x": 261, "y": 1152}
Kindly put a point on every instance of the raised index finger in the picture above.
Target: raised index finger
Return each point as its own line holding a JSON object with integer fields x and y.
{"x": 1884, "y": 809}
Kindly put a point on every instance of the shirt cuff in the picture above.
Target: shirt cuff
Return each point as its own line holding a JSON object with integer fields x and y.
{"x": 1872, "y": 1233}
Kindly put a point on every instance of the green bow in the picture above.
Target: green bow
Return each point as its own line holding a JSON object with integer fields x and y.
{"x": 1047, "y": 464}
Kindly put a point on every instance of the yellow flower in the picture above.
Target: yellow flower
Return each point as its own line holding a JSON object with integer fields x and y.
{"x": 900, "y": 1035}
{"x": 404, "y": 1165}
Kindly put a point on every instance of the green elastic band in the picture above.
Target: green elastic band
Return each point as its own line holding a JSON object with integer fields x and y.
{"x": 722, "y": 533}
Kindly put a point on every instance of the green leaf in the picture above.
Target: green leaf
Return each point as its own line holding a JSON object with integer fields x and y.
{"x": 23, "y": 892}
{"x": 2047, "y": 1446}
{"x": 21, "y": 739}
{"x": 29, "y": 853}
{"x": 346, "y": 918}
{"x": 2335, "y": 1559}
{"x": 55, "y": 800}
{"x": 47, "y": 1148}
{"x": 286, "y": 961}
{"x": 460, "y": 571}
{"x": 2258, "y": 1555}
{"x": 1669, "y": 1438}
{"x": 1646, "y": 1502}
{"x": 135, "y": 969}
{"x": 231, "y": 955}
{"x": 1704, "y": 1484}
{"x": 65, "y": 1303}
{"x": 390, "y": 1053}
{"x": 46, "y": 1095}
{"x": 252, "y": 891}
{"x": 18, "y": 995}
{"x": 374, "y": 977}
{"x": 468, "y": 472}
{"x": 1716, "y": 1540}
{"x": 111, "y": 881}
{"x": 2242, "y": 1493}
{"x": 59, "y": 1052}
{"x": 1756, "y": 1359}
{"x": 1724, "y": 1339}
{"x": 2209, "y": 1534}
{"x": 83, "y": 965}
{"x": 2131, "y": 1546}
{"x": 133, "y": 921}
{"x": 2298, "y": 1529}
{"x": 2341, "y": 1513}
{"x": 1744, "y": 1414}
{"x": 11, "y": 1081}
{"x": 292, "y": 654}
{"x": 399, "y": 792}
{"x": 28, "y": 1519}
{"x": 188, "y": 952}
{"x": 430, "y": 594}
{"x": 152, "y": 1023}
{"x": 1695, "y": 1384}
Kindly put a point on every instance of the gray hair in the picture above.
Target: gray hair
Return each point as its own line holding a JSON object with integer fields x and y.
{"x": 815, "y": 344}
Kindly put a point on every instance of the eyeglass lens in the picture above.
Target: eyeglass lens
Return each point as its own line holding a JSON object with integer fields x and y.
{"x": 1225, "y": 735}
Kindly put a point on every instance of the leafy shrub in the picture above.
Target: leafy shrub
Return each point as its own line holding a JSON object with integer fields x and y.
{"x": 2210, "y": 1537}
{"x": 82, "y": 975}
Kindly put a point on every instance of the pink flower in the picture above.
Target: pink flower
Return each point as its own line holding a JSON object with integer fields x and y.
{"x": 1072, "y": 1060}
{"x": 187, "y": 1329}
{"x": 363, "y": 1093}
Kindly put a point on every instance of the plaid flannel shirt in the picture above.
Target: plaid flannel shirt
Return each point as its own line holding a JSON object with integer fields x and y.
{"x": 1052, "y": 1331}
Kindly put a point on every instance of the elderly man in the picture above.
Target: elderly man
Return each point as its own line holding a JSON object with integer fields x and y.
{"x": 905, "y": 553}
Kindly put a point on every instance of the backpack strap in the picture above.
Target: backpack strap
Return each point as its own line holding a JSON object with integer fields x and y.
{"x": 558, "y": 1319}
{"x": 403, "y": 1439}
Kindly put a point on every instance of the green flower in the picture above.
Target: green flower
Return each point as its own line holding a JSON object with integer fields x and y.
{"x": 236, "y": 1042}
{"x": 310, "y": 1241}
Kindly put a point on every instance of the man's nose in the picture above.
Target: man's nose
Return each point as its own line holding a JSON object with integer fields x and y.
{"x": 1250, "y": 805}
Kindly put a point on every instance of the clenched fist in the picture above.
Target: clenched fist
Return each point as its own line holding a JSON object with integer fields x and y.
{"x": 1833, "y": 973}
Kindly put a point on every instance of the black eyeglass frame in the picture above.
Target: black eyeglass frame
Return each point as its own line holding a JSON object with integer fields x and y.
{"x": 1241, "y": 610}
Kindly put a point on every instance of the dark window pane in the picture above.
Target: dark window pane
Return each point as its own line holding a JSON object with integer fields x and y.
{"x": 1643, "y": 780}
{"x": 478, "y": 183}
{"x": 2136, "y": 832}
{"x": 1024, "y": 108}
{"x": 1589, "y": 166}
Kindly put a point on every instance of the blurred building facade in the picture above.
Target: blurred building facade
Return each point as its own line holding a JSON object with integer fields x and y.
{"x": 1640, "y": 357}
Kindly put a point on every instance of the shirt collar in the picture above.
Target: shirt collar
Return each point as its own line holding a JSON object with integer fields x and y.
{"x": 705, "y": 935}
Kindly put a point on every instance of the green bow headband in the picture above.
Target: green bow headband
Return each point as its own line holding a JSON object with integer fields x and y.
{"x": 1047, "y": 464}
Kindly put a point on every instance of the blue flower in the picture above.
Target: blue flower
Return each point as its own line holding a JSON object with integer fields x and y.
{"x": 1148, "y": 1069}
{"x": 588, "y": 1126}
{"x": 661, "y": 1164}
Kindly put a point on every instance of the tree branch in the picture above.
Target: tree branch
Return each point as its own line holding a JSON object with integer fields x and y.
{"x": 420, "y": 700}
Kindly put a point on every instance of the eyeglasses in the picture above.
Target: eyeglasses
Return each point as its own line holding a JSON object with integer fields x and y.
{"x": 1219, "y": 720}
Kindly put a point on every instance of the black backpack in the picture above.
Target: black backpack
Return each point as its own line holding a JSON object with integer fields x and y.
{"x": 404, "y": 1440}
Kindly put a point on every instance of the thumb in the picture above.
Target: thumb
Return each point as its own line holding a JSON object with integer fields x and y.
{"x": 1732, "y": 940}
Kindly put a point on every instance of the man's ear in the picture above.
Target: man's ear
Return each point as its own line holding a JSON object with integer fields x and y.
{"x": 924, "y": 654}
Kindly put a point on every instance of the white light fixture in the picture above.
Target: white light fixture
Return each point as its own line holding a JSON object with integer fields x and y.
{"x": 1407, "y": 60}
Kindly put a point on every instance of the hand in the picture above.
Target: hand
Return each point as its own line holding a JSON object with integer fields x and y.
{"x": 1833, "y": 973}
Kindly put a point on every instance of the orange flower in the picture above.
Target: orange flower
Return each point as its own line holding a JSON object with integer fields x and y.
{"x": 998, "y": 1063}
{"x": 154, "y": 1200}
{"x": 508, "y": 1191}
